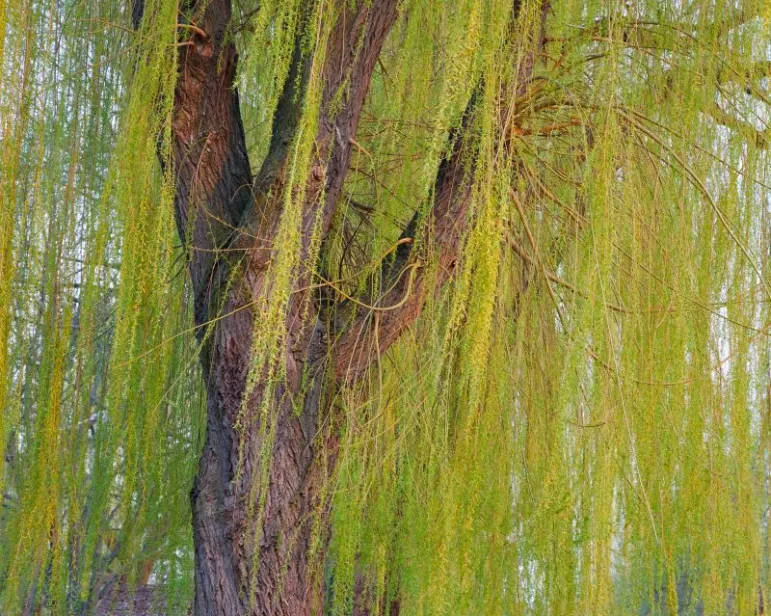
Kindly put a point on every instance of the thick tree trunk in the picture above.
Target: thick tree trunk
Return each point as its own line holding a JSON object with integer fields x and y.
{"x": 218, "y": 204}
{"x": 240, "y": 571}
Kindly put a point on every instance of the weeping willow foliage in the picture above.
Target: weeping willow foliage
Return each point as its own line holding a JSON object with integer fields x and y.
{"x": 101, "y": 403}
{"x": 579, "y": 423}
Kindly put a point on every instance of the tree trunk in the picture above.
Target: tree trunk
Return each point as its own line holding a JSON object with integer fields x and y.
{"x": 218, "y": 204}
{"x": 238, "y": 571}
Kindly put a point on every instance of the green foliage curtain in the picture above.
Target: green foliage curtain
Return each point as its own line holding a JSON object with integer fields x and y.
{"x": 578, "y": 424}
{"x": 101, "y": 403}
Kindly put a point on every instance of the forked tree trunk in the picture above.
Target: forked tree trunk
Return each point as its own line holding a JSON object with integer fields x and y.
{"x": 220, "y": 205}
{"x": 239, "y": 571}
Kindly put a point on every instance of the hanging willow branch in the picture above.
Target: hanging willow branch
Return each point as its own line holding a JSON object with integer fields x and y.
{"x": 473, "y": 315}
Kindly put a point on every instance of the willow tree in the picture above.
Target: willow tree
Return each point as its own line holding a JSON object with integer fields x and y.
{"x": 438, "y": 306}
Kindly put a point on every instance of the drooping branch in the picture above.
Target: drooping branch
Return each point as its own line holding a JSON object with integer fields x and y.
{"x": 354, "y": 47}
{"x": 759, "y": 137}
{"x": 373, "y": 328}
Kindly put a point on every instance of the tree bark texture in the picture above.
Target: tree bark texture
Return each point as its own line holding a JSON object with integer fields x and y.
{"x": 219, "y": 204}
{"x": 216, "y": 200}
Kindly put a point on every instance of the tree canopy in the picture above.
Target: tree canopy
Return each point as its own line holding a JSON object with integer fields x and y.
{"x": 523, "y": 249}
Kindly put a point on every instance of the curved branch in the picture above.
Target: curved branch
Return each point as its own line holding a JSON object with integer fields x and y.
{"x": 370, "y": 331}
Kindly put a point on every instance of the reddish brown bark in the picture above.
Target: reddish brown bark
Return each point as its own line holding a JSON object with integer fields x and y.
{"x": 219, "y": 205}
{"x": 215, "y": 201}
{"x": 372, "y": 331}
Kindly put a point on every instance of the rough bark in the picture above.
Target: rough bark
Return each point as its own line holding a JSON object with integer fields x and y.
{"x": 219, "y": 205}
{"x": 215, "y": 201}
